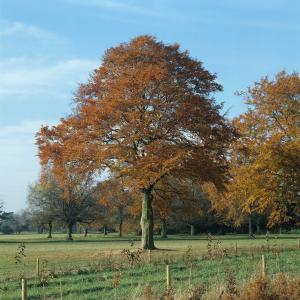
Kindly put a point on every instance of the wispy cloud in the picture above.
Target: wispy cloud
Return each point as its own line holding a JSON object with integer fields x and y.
{"x": 123, "y": 6}
{"x": 8, "y": 28}
{"x": 22, "y": 130}
{"x": 21, "y": 39}
{"x": 23, "y": 76}
{"x": 261, "y": 24}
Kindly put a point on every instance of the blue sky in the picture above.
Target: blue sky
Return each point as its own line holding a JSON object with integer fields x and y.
{"x": 48, "y": 47}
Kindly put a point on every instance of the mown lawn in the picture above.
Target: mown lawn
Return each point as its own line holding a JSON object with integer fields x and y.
{"x": 93, "y": 267}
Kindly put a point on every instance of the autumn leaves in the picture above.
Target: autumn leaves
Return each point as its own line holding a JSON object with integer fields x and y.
{"x": 147, "y": 115}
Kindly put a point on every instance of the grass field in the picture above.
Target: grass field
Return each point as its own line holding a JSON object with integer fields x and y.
{"x": 94, "y": 268}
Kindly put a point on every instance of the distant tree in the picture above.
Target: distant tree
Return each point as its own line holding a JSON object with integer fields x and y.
{"x": 4, "y": 216}
{"x": 6, "y": 219}
{"x": 164, "y": 195}
{"x": 69, "y": 201}
{"x": 146, "y": 113}
{"x": 117, "y": 199}
{"x": 175, "y": 197}
{"x": 6, "y": 228}
{"x": 45, "y": 199}
{"x": 21, "y": 221}
{"x": 193, "y": 203}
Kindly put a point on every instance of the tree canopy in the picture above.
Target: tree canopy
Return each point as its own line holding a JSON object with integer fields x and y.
{"x": 265, "y": 160}
{"x": 147, "y": 112}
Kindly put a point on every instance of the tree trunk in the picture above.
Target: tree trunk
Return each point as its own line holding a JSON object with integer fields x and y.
{"x": 121, "y": 228}
{"x": 70, "y": 231}
{"x": 86, "y": 231}
{"x": 257, "y": 228}
{"x": 147, "y": 219}
{"x": 50, "y": 230}
{"x": 192, "y": 230}
{"x": 120, "y": 221}
{"x": 250, "y": 225}
{"x": 163, "y": 228}
{"x": 105, "y": 230}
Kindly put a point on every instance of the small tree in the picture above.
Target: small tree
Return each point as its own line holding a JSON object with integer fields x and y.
{"x": 44, "y": 199}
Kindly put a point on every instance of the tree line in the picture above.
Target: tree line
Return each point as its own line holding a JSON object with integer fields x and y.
{"x": 146, "y": 140}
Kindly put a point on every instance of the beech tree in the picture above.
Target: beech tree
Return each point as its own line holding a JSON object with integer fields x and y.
{"x": 148, "y": 112}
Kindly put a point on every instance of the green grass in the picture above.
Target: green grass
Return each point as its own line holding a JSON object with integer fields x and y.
{"x": 85, "y": 268}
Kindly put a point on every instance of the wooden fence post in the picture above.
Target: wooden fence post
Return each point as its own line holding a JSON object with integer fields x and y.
{"x": 236, "y": 248}
{"x": 277, "y": 261}
{"x": 169, "y": 283}
{"x": 24, "y": 289}
{"x": 60, "y": 288}
{"x": 37, "y": 267}
{"x": 298, "y": 242}
{"x": 149, "y": 256}
{"x": 263, "y": 266}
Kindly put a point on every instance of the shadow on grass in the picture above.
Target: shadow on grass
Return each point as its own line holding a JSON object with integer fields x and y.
{"x": 114, "y": 239}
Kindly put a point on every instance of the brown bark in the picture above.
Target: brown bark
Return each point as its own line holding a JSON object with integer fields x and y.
{"x": 250, "y": 225}
{"x": 192, "y": 230}
{"x": 105, "y": 230}
{"x": 147, "y": 219}
{"x": 50, "y": 230}
{"x": 163, "y": 228}
{"x": 120, "y": 221}
{"x": 70, "y": 231}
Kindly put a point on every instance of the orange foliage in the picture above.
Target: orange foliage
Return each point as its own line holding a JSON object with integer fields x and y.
{"x": 265, "y": 163}
{"x": 146, "y": 113}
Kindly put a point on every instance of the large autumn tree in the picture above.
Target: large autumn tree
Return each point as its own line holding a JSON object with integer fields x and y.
{"x": 147, "y": 112}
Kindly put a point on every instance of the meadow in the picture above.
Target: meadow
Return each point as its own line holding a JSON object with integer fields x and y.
{"x": 99, "y": 267}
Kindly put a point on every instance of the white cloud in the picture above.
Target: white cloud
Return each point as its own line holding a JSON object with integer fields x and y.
{"x": 24, "y": 76}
